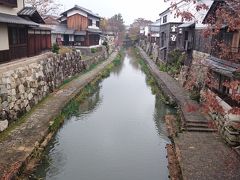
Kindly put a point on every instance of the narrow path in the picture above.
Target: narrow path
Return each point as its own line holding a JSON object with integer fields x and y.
{"x": 21, "y": 142}
{"x": 202, "y": 155}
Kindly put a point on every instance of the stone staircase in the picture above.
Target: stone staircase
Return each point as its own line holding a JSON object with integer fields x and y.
{"x": 199, "y": 126}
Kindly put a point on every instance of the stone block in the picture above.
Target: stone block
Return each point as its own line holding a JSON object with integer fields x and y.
{"x": 3, "y": 125}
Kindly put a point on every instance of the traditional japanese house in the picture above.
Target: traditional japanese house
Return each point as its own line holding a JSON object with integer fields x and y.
{"x": 20, "y": 32}
{"x": 190, "y": 32}
{"x": 153, "y": 32}
{"x": 223, "y": 68}
{"x": 168, "y": 33}
{"x": 78, "y": 26}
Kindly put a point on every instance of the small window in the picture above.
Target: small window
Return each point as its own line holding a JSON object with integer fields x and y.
{"x": 11, "y": 3}
{"x": 97, "y": 23}
{"x": 89, "y": 22}
{"x": 164, "y": 19}
{"x": 17, "y": 36}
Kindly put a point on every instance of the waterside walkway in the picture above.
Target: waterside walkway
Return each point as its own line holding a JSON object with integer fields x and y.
{"x": 201, "y": 152}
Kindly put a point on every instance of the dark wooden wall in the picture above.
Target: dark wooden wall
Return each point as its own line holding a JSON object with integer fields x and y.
{"x": 38, "y": 42}
{"x": 25, "y": 44}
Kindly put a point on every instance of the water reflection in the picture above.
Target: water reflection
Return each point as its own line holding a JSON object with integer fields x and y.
{"x": 119, "y": 133}
{"x": 118, "y": 69}
{"x": 90, "y": 105}
{"x": 161, "y": 109}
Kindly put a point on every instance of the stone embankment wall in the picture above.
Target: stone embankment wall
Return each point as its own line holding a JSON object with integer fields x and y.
{"x": 151, "y": 49}
{"x": 26, "y": 82}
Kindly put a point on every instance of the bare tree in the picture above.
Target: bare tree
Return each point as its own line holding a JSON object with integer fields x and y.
{"x": 44, "y": 7}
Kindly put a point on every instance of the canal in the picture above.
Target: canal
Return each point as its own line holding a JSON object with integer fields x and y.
{"x": 118, "y": 134}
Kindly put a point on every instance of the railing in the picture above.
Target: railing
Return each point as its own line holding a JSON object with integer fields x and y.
{"x": 12, "y": 3}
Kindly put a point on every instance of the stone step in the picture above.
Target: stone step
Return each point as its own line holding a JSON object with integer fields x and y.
{"x": 197, "y": 125}
{"x": 199, "y": 129}
{"x": 196, "y": 122}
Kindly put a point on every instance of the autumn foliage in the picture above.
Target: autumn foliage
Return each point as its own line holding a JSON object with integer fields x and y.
{"x": 225, "y": 15}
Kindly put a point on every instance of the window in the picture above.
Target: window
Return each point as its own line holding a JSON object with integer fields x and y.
{"x": 89, "y": 22}
{"x": 97, "y": 23}
{"x": 164, "y": 19}
{"x": 17, "y": 36}
{"x": 163, "y": 39}
{"x": 12, "y": 3}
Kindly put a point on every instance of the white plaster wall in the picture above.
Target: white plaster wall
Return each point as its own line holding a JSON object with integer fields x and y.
{"x": 10, "y": 10}
{"x": 71, "y": 13}
{"x": 71, "y": 38}
{"x": 171, "y": 18}
{"x": 94, "y": 20}
{"x": 4, "y": 43}
{"x": 190, "y": 7}
{"x": 146, "y": 29}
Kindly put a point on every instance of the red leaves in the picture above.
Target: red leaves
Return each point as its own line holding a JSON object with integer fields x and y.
{"x": 191, "y": 108}
{"x": 201, "y": 6}
{"x": 12, "y": 171}
{"x": 235, "y": 110}
{"x": 187, "y": 16}
{"x": 211, "y": 104}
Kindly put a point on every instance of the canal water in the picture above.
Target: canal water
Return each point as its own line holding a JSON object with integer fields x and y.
{"x": 118, "y": 134}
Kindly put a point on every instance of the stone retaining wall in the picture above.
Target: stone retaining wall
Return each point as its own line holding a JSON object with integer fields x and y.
{"x": 151, "y": 49}
{"x": 24, "y": 85}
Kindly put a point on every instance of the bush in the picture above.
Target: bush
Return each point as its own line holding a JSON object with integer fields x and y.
{"x": 176, "y": 58}
{"x": 93, "y": 50}
{"x": 195, "y": 95}
{"x": 55, "y": 48}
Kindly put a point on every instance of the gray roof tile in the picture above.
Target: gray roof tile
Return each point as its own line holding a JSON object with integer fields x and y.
{"x": 11, "y": 19}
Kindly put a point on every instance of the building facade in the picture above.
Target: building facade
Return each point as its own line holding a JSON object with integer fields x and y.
{"x": 78, "y": 26}
{"x": 168, "y": 33}
{"x": 20, "y": 31}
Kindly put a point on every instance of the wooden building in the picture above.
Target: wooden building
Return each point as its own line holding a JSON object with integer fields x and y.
{"x": 168, "y": 33}
{"x": 223, "y": 67}
{"x": 78, "y": 26}
{"x": 20, "y": 32}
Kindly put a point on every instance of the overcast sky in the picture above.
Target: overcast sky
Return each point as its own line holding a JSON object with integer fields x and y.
{"x": 130, "y": 9}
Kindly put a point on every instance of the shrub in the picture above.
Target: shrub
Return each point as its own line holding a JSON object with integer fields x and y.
{"x": 55, "y": 48}
{"x": 93, "y": 50}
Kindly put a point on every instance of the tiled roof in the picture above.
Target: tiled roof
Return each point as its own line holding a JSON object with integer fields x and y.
{"x": 62, "y": 29}
{"x": 89, "y": 12}
{"x": 224, "y": 67}
{"x": 11, "y": 19}
{"x": 27, "y": 11}
{"x": 80, "y": 33}
{"x": 31, "y": 13}
{"x": 232, "y": 5}
{"x": 94, "y": 30}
